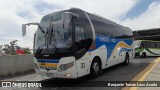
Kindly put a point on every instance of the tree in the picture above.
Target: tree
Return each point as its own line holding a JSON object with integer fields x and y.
{"x": 10, "y": 49}
{"x": 27, "y": 50}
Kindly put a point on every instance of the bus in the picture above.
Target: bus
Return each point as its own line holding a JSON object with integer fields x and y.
{"x": 144, "y": 48}
{"x": 73, "y": 43}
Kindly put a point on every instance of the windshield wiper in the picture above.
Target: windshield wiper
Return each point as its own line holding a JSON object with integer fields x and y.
{"x": 51, "y": 35}
{"x": 39, "y": 50}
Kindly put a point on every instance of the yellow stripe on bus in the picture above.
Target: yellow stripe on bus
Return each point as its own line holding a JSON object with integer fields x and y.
{"x": 48, "y": 64}
{"x": 119, "y": 45}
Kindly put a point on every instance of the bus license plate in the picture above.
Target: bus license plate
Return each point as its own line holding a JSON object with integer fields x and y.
{"x": 49, "y": 74}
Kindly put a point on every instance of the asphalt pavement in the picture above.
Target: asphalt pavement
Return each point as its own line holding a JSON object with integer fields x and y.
{"x": 137, "y": 68}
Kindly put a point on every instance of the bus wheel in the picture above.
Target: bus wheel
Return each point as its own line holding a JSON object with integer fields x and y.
{"x": 126, "y": 62}
{"x": 143, "y": 55}
{"x": 95, "y": 68}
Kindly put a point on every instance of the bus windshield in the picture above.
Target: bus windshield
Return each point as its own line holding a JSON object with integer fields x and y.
{"x": 137, "y": 44}
{"x": 52, "y": 36}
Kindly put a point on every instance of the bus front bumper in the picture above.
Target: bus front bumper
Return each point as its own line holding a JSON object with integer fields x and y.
{"x": 70, "y": 72}
{"x": 55, "y": 74}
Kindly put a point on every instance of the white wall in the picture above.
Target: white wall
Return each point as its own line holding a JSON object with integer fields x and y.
{"x": 14, "y": 64}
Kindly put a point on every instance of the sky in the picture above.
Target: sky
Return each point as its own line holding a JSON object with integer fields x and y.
{"x": 136, "y": 14}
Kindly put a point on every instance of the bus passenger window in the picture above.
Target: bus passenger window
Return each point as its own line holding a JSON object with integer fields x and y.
{"x": 142, "y": 45}
{"x": 158, "y": 44}
{"x": 152, "y": 44}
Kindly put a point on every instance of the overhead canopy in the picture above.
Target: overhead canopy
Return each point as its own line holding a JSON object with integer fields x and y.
{"x": 148, "y": 34}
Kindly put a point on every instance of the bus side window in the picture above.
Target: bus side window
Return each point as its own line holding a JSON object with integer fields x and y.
{"x": 152, "y": 45}
{"x": 142, "y": 45}
{"x": 146, "y": 44}
{"x": 158, "y": 44}
{"x": 80, "y": 40}
{"x": 79, "y": 34}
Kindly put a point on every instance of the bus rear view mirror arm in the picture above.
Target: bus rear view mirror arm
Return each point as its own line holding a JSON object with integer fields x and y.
{"x": 24, "y": 27}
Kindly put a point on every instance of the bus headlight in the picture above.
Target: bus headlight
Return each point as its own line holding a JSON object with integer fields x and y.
{"x": 64, "y": 67}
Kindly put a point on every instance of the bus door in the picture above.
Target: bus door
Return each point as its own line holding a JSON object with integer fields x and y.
{"x": 80, "y": 50}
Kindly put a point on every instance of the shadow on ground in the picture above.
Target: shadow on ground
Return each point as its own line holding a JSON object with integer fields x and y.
{"x": 114, "y": 73}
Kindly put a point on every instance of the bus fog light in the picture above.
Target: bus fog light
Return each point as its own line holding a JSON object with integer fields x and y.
{"x": 64, "y": 67}
{"x": 67, "y": 75}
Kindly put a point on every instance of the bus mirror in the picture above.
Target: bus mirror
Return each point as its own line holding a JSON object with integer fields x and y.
{"x": 23, "y": 29}
{"x": 66, "y": 18}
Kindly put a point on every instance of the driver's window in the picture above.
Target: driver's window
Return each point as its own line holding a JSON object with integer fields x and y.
{"x": 79, "y": 34}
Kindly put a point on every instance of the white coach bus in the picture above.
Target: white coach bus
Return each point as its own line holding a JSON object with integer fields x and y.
{"x": 146, "y": 48}
{"x": 73, "y": 43}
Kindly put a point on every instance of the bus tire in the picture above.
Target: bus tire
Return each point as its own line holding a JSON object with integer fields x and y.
{"x": 95, "y": 69}
{"x": 126, "y": 62}
{"x": 143, "y": 55}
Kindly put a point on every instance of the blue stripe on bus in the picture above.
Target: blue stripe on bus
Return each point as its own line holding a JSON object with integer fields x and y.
{"x": 110, "y": 43}
{"x": 49, "y": 61}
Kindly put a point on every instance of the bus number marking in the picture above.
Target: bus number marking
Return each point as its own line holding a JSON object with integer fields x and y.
{"x": 82, "y": 65}
{"x": 42, "y": 63}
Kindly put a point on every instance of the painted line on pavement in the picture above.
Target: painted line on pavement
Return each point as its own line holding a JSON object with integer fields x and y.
{"x": 142, "y": 75}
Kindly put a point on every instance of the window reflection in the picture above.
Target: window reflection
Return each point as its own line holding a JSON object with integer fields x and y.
{"x": 53, "y": 35}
